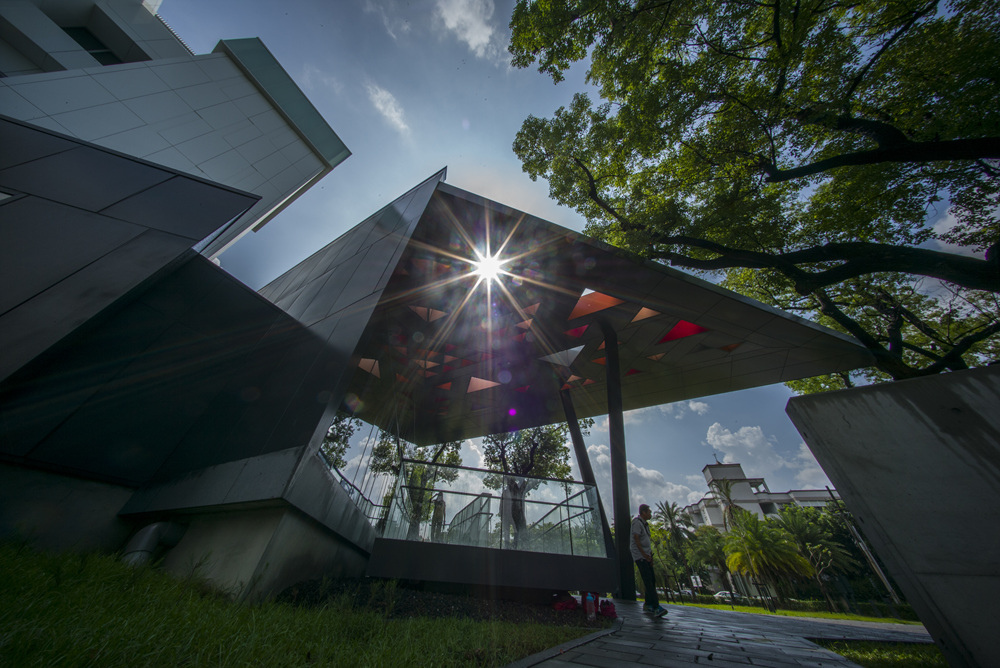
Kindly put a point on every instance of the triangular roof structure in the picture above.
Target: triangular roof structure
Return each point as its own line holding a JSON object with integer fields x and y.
{"x": 680, "y": 337}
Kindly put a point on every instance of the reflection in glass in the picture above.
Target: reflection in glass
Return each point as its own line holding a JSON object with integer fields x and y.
{"x": 561, "y": 516}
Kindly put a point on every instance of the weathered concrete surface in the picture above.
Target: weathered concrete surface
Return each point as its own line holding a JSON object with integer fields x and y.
{"x": 252, "y": 553}
{"x": 918, "y": 463}
{"x": 57, "y": 512}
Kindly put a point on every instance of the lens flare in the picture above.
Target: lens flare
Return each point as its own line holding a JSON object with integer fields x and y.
{"x": 489, "y": 268}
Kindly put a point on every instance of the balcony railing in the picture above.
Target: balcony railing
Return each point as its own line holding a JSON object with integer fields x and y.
{"x": 371, "y": 510}
{"x": 459, "y": 505}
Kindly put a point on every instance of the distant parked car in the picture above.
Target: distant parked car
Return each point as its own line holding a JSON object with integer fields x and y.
{"x": 684, "y": 592}
{"x": 726, "y": 596}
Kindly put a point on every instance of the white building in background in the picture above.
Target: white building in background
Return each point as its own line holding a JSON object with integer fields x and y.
{"x": 113, "y": 73}
{"x": 751, "y": 494}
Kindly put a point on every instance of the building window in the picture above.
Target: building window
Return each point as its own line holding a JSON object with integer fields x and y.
{"x": 93, "y": 46}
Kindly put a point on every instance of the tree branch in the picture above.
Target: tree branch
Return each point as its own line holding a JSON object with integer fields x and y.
{"x": 856, "y": 81}
{"x": 600, "y": 201}
{"x": 884, "y": 359}
{"x": 920, "y": 152}
{"x": 953, "y": 358}
{"x": 857, "y": 258}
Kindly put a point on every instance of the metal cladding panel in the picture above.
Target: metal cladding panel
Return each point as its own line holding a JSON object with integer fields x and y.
{"x": 84, "y": 227}
{"x": 463, "y": 356}
{"x": 355, "y": 265}
{"x": 166, "y": 384}
{"x": 256, "y": 61}
{"x": 461, "y": 564}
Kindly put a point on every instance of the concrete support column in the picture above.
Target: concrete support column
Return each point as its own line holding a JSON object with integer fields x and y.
{"x": 619, "y": 466}
{"x": 586, "y": 470}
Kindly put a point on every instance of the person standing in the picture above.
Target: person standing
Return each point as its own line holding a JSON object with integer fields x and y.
{"x": 437, "y": 519}
{"x": 642, "y": 552}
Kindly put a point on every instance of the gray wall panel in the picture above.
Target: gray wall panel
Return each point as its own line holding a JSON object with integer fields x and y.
{"x": 42, "y": 242}
{"x": 30, "y": 410}
{"x": 85, "y": 177}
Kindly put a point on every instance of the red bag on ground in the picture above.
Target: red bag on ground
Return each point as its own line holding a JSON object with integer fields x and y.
{"x": 608, "y": 609}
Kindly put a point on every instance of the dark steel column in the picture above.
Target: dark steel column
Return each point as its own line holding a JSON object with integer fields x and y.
{"x": 586, "y": 470}
{"x": 619, "y": 466}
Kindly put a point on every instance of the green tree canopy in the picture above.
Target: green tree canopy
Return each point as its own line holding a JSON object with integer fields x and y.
{"x": 420, "y": 477}
{"x": 541, "y": 452}
{"x": 338, "y": 438}
{"x": 800, "y": 150}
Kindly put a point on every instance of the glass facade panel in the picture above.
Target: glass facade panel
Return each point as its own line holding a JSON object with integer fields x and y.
{"x": 464, "y": 506}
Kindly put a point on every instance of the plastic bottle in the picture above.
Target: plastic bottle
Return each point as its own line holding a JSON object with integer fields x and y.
{"x": 589, "y": 607}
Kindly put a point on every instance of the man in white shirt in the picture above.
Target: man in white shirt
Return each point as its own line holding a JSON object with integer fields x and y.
{"x": 642, "y": 552}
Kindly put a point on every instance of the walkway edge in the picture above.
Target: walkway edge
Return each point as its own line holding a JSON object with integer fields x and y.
{"x": 553, "y": 652}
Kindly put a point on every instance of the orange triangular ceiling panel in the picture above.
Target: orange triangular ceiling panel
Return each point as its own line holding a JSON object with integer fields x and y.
{"x": 477, "y": 384}
{"x": 644, "y": 313}
{"x": 369, "y": 365}
{"x": 592, "y": 302}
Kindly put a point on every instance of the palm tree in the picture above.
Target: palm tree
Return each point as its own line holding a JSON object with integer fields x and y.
{"x": 816, "y": 544}
{"x": 677, "y": 526}
{"x": 677, "y": 523}
{"x": 706, "y": 549}
{"x": 722, "y": 489}
{"x": 763, "y": 550}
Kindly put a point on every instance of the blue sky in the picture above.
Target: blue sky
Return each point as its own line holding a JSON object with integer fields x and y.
{"x": 411, "y": 87}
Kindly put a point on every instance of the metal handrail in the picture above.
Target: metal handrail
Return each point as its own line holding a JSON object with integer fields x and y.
{"x": 492, "y": 472}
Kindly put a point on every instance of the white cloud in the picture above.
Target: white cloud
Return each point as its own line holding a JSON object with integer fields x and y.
{"x": 469, "y": 21}
{"x": 638, "y": 416}
{"x": 681, "y": 408}
{"x": 810, "y": 475}
{"x": 699, "y": 407}
{"x": 387, "y": 105}
{"x": 472, "y": 454}
{"x": 647, "y": 486}
{"x": 759, "y": 457}
{"x": 393, "y": 21}
{"x": 316, "y": 80}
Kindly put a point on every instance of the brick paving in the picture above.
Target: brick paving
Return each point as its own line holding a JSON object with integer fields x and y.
{"x": 690, "y": 636}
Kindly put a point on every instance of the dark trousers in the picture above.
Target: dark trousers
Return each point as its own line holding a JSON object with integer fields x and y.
{"x": 646, "y": 571}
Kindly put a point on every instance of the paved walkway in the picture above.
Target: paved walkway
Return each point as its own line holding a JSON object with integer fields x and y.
{"x": 690, "y": 636}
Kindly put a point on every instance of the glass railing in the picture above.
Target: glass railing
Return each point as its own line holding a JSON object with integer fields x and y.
{"x": 371, "y": 510}
{"x": 458, "y": 505}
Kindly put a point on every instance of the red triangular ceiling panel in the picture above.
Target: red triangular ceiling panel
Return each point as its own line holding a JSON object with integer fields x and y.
{"x": 682, "y": 329}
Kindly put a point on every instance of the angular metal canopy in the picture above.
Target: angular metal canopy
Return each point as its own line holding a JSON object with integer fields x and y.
{"x": 463, "y": 317}
{"x": 450, "y": 354}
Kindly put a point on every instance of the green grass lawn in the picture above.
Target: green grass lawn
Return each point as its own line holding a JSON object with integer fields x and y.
{"x": 887, "y": 654}
{"x": 91, "y": 610}
{"x": 797, "y": 613}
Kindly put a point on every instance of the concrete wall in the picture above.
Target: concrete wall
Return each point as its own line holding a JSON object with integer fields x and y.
{"x": 56, "y": 512}
{"x": 918, "y": 464}
{"x": 259, "y": 552}
{"x": 225, "y": 548}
